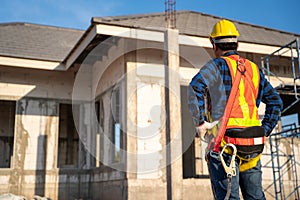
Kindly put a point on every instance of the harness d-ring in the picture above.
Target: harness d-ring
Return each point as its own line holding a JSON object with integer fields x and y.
{"x": 241, "y": 66}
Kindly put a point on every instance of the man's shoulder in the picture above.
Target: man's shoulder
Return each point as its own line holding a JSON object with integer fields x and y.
{"x": 217, "y": 62}
{"x": 221, "y": 59}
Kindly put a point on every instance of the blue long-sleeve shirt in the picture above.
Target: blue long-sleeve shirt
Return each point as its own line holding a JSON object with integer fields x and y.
{"x": 214, "y": 79}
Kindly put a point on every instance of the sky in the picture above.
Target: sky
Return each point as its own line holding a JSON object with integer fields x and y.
{"x": 77, "y": 14}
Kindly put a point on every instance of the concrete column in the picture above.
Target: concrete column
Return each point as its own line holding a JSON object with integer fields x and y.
{"x": 131, "y": 110}
{"x": 173, "y": 112}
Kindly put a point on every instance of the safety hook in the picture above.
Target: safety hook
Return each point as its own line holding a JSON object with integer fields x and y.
{"x": 230, "y": 170}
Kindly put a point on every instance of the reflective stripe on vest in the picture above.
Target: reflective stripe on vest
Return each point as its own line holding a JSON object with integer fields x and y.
{"x": 244, "y": 112}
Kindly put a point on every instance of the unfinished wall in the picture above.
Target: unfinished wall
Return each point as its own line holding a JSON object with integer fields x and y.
{"x": 34, "y": 169}
{"x": 146, "y": 114}
{"x": 35, "y": 127}
{"x": 34, "y": 149}
{"x": 108, "y": 92}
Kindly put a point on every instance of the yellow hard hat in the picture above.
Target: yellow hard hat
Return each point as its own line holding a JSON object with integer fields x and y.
{"x": 224, "y": 28}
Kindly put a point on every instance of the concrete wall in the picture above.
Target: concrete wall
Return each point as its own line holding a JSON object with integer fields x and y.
{"x": 35, "y": 128}
{"x": 34, "y": 167}
{"x": 35, "y": 146}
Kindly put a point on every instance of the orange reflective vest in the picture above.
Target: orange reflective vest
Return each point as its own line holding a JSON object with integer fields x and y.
{"x": 244, "y": 112}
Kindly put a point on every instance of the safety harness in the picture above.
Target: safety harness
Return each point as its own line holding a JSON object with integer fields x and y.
{"x": 240, "y": 124}
{"x": 238, "y": 143}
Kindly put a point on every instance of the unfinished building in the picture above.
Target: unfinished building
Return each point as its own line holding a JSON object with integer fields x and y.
{"x": 83, "y": 112}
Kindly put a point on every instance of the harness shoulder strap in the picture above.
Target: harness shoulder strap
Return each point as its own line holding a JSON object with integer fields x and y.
{"x": 240, "y": 71}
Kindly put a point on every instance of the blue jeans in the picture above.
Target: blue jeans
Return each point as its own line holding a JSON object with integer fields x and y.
{"x": 249, "y": 181}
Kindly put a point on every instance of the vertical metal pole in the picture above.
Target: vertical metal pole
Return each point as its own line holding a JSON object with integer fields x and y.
{"x": 298, "y": 75}
{"x": 263, "y": 63}
{"x": 278, "y": 167}
{"x": 298, "y": 55}
{"x": 273, "y": 167}
{"x": 294, "y": 71}
{"x": 167, "y": 17}
{"x": 170, "y": 13}
{"x": 294, "y": 165}
{"x": 268, "y": 67}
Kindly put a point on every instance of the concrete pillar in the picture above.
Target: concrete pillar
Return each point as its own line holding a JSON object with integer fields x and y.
{"x": 173, "y": 112}
{"x": 131, "y": 128}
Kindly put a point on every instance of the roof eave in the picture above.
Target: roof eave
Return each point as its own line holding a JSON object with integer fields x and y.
{"x": 85, "y": 39}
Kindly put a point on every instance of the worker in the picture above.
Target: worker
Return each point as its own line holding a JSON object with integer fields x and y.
{"x": 209, "y": 95}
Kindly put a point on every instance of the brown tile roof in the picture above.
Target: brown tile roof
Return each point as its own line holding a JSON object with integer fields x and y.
{"x": 199, "y": 24}
{"x": 25, "y": 40}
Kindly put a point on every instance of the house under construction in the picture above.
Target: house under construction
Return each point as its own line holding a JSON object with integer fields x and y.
{"x": 86, "y": 114}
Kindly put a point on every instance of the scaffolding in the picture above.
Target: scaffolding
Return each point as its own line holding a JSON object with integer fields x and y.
{"x": 285, "y": 163}
{"x": 285, "y": 143}
{"x": 290, "y": 50}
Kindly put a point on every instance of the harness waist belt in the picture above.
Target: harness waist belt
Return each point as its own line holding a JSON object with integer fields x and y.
{"x": 245, "y": 141}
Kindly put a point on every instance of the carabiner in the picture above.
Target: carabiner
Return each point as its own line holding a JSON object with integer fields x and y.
{"x": 230, "y": 170}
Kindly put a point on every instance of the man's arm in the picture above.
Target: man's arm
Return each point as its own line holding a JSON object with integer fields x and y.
{"x": 206, "y": 80}
{"x": 196, "y": 92}
{"x": 273, "y": 105}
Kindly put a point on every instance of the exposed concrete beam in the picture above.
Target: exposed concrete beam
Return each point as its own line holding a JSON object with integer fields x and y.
{"x": 12, "y": 91}
{"x": 158, "y": 36}
{"x": 135, "y": 33}
{"x": 31, "y": 63}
